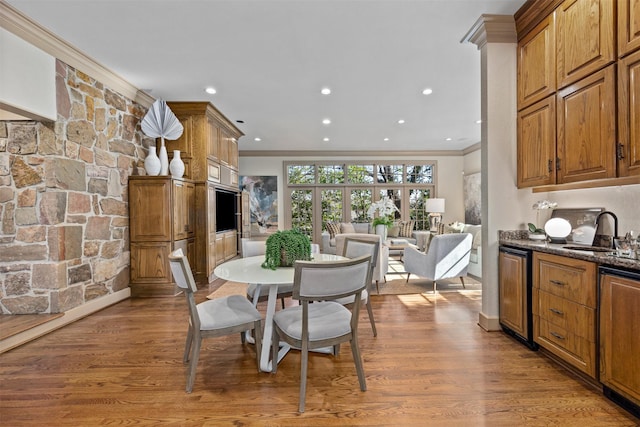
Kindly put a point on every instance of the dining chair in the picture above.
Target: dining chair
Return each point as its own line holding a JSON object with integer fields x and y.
{"x": 353, "y": 248}
{"x": 254, "y": 248}
{"x": 447, "y": 256}
{"x": 325, "y": 323}
{"x": 212, "y": 318}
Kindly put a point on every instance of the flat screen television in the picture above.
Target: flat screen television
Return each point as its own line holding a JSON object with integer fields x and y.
{"x": 225, "y": 210}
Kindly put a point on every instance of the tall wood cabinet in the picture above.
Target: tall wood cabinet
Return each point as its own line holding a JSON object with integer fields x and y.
{"x": 569, "y": 56}
{"x": 564, "y": 309}
{"x": 619, "y": 332}
{"x": 162, "y": 219}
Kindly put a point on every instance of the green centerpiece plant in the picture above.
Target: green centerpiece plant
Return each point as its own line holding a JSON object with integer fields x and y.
{"x": 286, "y": 247}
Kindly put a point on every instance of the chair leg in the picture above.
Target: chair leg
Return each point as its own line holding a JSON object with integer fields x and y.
{"x": 257, "y": 333}
{"x": 193, "y": 363}
{"x": 336, "y": 350}
{"x": 434, "y": 286}
{"x": 408, "y": 274}
{"x": 373, "y": 322}
{"x": 358, "y": 361}
{"x": 304, "y": 361}
{"x": 282, "y": 299}
{"x": 275, "y": 346}
{"x": 377, "y": 287}
{"x": 462, "y": 280}
{"x": 187, "y": 345}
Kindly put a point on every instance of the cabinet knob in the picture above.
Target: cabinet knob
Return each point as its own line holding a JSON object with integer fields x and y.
{"x": 557, "y": 335}
{"x": 557, "y": 282}
{"x": 556, "y": 311}
{"x": 620, "y": 151}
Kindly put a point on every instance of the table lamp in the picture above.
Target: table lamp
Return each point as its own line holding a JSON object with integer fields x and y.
{"x": 435, "y": 207}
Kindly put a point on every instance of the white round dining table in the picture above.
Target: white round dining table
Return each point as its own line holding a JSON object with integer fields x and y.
{"x": 249, "y": 270}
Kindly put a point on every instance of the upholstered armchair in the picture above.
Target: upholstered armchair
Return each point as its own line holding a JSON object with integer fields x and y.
{"x": 382, "y": 264}
{"x": 447, "y": 256}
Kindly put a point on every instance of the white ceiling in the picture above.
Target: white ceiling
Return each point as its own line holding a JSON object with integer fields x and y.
{"x": 269, "y": 59}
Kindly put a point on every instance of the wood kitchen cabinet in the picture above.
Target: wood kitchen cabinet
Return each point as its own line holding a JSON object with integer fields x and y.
{"x": 513, "y": 279}
{"x": 537, "y": 63}
{"x": 628, "y": 26}
{"x": 564, "y": 309}
{"x": 537, "y": 144}
{"x": 162, "y": 219}
{"x": 585, "y": 38}
{"x": 619, "y": 334}
{"x": 628, "y": 150}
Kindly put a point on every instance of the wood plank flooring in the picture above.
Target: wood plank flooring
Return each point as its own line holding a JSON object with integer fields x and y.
{"x": 430, "y": 365}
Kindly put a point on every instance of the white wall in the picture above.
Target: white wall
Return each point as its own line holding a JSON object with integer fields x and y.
{"x": 449, "y": 177}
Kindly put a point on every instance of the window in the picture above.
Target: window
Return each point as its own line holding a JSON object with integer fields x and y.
{"x": 417, "y": 212}
{"x": 360, "y": 174}
{"x": 388, "y": 174}
{"x": 301, "y": 174}
{"x": 330, "y": 174}
{"x": 302, "y": 210}
{"x": 360, "y": 200}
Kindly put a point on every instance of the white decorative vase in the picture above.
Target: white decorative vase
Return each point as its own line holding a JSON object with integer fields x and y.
{"x": 177, "y": 165}
{"x": 381, "y": 230}
{"x": 164, "y": 159}
{"x": 152, "y": 162}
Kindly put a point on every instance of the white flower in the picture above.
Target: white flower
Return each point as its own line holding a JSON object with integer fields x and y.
{"x": 384, "y": 207}
{"x": 544, "y": 204}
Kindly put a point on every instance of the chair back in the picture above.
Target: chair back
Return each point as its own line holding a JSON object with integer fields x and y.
{"x": 253, "y": 247}
{"x": 184, "y": 279}
{"x": 323, "y": 281}
{"x": 354, "y": 248}
{"x": 449, "y": 254}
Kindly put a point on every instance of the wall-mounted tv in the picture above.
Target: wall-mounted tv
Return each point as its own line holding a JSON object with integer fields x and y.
{"x": 225, "y": 210}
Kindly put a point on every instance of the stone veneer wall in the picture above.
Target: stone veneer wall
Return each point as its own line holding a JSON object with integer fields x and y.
{"x": 64, "y": 230}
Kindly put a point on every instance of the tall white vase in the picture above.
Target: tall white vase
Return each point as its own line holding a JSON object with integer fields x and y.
{"x": 381, "y": 230}
{"x": 152, "y": 162}
{"x": 177, "y": 165}
{"x": 164, "y": 159}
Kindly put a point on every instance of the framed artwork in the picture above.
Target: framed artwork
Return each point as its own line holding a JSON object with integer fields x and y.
{"x": 263, "y": 202}
{"x": 472, "y": 199}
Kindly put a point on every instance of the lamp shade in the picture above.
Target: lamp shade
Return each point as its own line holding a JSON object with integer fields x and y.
{"x": 434, "y": 205}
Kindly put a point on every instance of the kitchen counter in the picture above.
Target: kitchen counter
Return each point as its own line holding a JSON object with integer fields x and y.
{"x": 600, "y": 258}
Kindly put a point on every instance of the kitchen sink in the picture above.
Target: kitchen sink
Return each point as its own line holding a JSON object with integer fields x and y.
{"x": 588, "y": 248}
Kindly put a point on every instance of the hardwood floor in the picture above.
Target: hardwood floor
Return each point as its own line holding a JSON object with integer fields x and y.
{"x": 430, "y": 365}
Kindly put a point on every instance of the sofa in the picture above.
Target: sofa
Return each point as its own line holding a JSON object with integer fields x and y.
{"x": 475, "y": 259}
{"x": 328, "y": 245}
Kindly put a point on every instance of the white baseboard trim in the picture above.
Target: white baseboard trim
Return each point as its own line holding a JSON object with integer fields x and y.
{"x": 69, "y": 317}
{"x": 489, "y": 324}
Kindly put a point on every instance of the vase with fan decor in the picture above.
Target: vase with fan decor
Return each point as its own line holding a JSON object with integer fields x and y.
{"x": 160, "y": 122}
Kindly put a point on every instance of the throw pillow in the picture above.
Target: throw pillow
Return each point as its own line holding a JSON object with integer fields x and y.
{"x": 406, "y": 228}
{"x": 347, "y": 227}
{"x": 333, "y": 228}
{"x": 393, "y": 231}
{"x": 441, "y": 228}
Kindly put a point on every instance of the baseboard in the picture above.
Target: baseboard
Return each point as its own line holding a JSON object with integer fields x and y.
{"x": 490, "y": 324}
{"x": 69, "y": 317}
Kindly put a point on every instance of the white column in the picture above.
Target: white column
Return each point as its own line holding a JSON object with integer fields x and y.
{"x": 495, "y": 36}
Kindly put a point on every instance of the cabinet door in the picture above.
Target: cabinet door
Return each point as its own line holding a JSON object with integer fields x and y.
{"x": 585, "y": 38}
{"x": 628, "y": 26}
{"x": 150, "y": 209}
{"x": 513, "y": 292}
{"x": 537, "y": 144}
{"x": 223, "y": 147}
{"x": 628, "y": 154}
{"x": 619, "y": 332}
{"x": 537, "y": 63}
{"x": 212, "y": 140}
{"x": 587, "y": 128}
{"x": 185, "y": 142}
{"x": 184, "y": 210}
{"x": 211, "y": 229}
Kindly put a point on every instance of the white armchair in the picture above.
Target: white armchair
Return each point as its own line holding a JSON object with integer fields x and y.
{"x": 447, "y": 256}
{"x": 382, "y": 264}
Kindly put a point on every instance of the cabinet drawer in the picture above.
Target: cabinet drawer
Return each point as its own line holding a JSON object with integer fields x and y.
{"x": 568, "y": 315}
{"x": 576, "y": 350}
{"x": 568, "y": 278}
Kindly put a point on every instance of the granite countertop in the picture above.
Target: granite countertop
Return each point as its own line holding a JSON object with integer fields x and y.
{"x": 601, "y": 258}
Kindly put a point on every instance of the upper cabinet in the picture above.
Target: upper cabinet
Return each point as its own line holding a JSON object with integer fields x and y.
{"x": 628, "y": 26}
{"x": 585, "y": 38}
{"x": 578, "y": 102}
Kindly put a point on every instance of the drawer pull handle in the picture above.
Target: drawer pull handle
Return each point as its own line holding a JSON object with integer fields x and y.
{"x": 557, "y": 282}
{"x": 560, "y": 337}
{"x": 556, "y": 311}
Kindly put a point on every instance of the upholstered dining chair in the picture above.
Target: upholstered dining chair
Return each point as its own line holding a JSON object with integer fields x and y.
{"x": 212, "y": 318}
{"x": 324, "y": 323}
{"x": 447, "y": 256}
{"x": 254, "y": 248}
{"x": 353, "y": 248}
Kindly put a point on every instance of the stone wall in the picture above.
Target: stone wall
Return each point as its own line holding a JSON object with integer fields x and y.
{"x": 64, "y": 221}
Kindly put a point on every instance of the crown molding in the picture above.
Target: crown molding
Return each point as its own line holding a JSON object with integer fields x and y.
{"x": 470, "y": 149}
{"x": 22, "y": 26}
{"x": 492, "y": 29}
{"x": 345, "y": 153}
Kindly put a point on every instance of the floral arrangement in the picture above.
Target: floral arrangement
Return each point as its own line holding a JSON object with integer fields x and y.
{"x": 385, "y": 209}
{"x": 538, "y": 206}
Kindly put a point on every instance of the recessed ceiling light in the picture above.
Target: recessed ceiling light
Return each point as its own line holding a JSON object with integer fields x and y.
{"x": 478, "y": 121}
{"x": 386, "y": 139}
{"x": 447, "y": 139}
{"x": 325, "y": 139}
{"x": 257, "y": 139}
{"x": 401, "y": 121}
{"x": 326, "y": 121}
{"x": 210, "y": 90}
{"x": 325, "y": 91}
{"x": 427, "y": 91}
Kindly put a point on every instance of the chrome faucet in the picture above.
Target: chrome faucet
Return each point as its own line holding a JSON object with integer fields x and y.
{"x": 615, "y": 223}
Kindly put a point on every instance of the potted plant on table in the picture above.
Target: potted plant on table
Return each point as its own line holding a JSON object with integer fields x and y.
{"x": 385, "y": 209}
{"x": 286, "y": 247}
